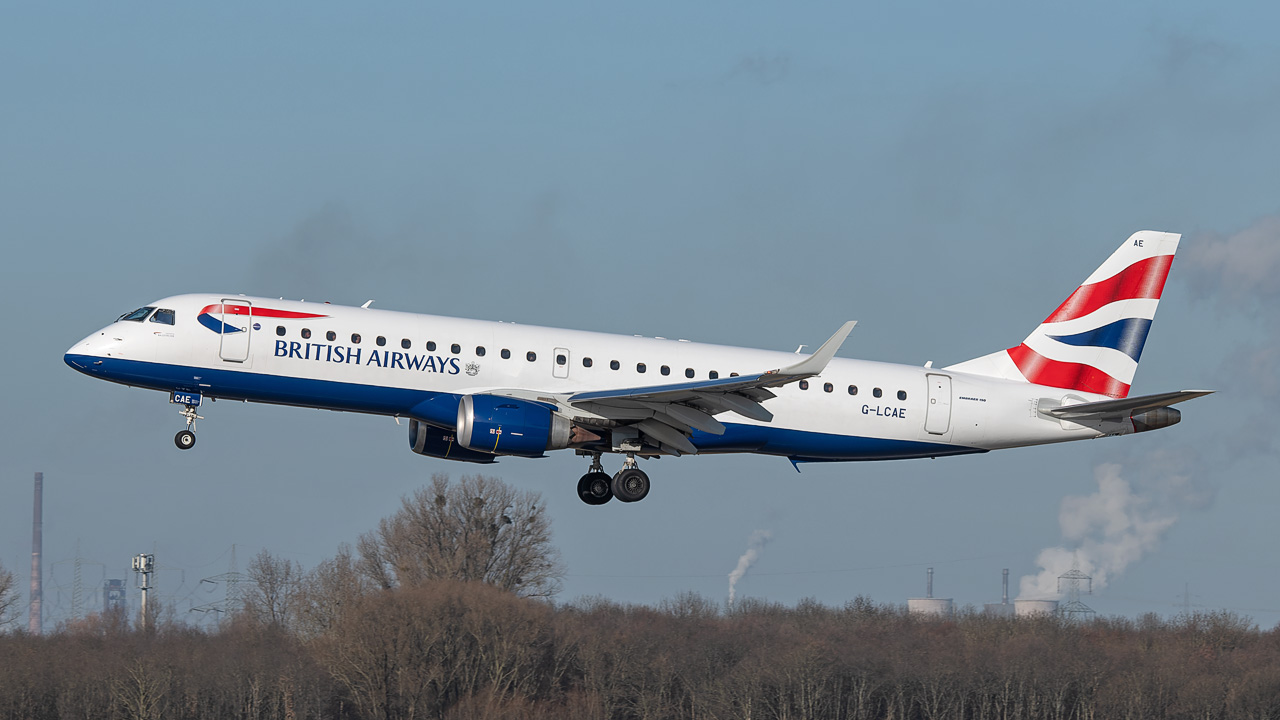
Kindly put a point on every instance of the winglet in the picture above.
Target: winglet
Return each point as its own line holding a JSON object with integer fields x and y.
{"x": 817, "y": 362}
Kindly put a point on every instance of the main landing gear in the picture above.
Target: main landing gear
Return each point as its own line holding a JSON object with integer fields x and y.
{"x": 629, "y": 485}
{"x": 186, "y": 439}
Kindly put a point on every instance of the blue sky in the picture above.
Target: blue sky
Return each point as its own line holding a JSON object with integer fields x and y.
{"x": 741, "y": 173}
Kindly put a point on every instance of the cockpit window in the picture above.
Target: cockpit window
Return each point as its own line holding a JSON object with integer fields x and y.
{"x": 137, "y": 315}
{"x": 162, "y": 316}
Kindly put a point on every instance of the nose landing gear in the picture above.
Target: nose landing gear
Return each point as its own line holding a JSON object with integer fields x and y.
{"x": 186, "y": 439}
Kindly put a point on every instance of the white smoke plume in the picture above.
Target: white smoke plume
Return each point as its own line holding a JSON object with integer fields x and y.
{"x": 755, "y": 547}
{"x": 1106, "y": 532}
{"x": 1243, "y": 266}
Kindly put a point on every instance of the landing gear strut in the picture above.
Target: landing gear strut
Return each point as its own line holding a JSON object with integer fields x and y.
{"x": 594, "y": 487}
{"x": 186, "y": 439}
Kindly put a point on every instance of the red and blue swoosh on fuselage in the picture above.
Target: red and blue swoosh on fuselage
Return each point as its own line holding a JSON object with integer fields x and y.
{"x": 211, "y": 315}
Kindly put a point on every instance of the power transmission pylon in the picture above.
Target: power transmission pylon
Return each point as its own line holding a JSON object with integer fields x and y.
{"x": 231, "y": 597}
{"x": 1074, "y": 609}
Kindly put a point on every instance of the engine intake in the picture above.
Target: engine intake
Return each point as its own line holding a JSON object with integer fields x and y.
{"x": 1155, "y": 418}
{"x": 510, "y": 426}
{"x": 434, "y": 442}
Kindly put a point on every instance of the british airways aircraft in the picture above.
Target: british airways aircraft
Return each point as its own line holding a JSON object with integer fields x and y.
{"x": 473, "y": 390}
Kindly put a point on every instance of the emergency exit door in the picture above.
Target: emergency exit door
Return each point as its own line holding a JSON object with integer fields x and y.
{"x": 561, "y": 368}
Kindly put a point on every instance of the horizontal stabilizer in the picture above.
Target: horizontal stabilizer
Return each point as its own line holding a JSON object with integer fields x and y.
{"x": 1125, "y": 406}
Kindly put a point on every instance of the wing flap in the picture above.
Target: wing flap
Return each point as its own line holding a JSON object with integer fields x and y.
{"x": 667, "y": 413}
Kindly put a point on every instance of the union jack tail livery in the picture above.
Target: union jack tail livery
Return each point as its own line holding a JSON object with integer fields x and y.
{"x": 1093, "y": 341}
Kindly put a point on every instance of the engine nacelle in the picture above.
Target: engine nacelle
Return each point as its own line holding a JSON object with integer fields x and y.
{"x": 434, "y": 442}
{"x": 1155, "y": 418}
{"x": 510, "y": 426}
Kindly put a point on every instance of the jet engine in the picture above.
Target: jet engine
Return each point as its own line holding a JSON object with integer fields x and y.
{"x": 1155, "y": 418}
{"x": 510, "y": 426}
{"x": 434, "y": 442}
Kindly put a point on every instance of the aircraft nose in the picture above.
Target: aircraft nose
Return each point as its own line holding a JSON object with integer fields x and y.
{"x": 84, "y": 356}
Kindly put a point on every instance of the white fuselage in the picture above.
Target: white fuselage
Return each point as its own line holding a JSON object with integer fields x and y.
{"x": 391, "y": 363}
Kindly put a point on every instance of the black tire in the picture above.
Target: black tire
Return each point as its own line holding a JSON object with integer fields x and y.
{"x": 630, "y": 485}
{"x": 595, "y": 488}
{"x": 185, "y": 440}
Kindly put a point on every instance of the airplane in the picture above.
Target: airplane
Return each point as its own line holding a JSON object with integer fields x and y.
{"x": 475, "y": 390}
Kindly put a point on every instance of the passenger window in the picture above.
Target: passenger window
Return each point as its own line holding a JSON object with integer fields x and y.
{"x": 431, "y": 346}
{"x": 713, "y": 375}
{"x": 406, "y": 344}
{"x": 877, "y": 392}
{"x": 586, "y": 362}
{"x": 733, "y": 374}
{"x": 331, "y": 336}
{"x": 306, "y": 334}
{"x": 455, "y": 348}
{"x": 640, "y": 367}
{"x": 665, "y": 370}
{"x": 804, "y": 384}
{"x": 164, "y": 317}
{"x": 688, "y": 372}
{"x": 355, "y": 338}
{"x": 562, "y": 360}
{"x": 381, "y": 341}
{"x": 280, "y": 330}
{"x": 614, "y": 365}
{"x": 506, "y": 354}
{"x": 902, "y": 394}
{"x": 853, "y": 389}
{"x": 479, "y": 351}
{"x": 828, "y": 387}
{"x": 531, "y": 356}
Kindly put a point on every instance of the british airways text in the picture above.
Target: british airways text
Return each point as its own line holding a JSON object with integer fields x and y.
{"x": 394, "y": 359}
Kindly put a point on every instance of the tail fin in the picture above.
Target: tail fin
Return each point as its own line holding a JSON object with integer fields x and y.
{"x": 1093, "y": 341}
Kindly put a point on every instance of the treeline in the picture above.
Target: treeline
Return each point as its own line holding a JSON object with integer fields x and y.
{"x": 452, "y": 649}
{"x": 445, "y": 611}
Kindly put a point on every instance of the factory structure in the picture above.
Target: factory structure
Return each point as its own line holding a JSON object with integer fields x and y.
{"x": 1072, "y": 584}
{"x": 930, "y": 605}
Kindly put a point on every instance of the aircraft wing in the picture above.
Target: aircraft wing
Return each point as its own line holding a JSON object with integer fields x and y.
{"x": 668, "y": 413}
{"x": 1125, "y": 406}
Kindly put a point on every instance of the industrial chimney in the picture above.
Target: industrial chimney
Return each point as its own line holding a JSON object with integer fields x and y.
{"x": 930, "y": 605}
{"x": 1002, "y": 608}
{"x": 35, "y": 622}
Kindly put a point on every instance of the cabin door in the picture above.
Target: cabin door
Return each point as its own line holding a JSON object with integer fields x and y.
{"x": 237, "y": 327}
{"x": 937, "y": 418}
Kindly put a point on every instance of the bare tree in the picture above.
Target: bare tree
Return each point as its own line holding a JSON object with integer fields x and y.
{"x": 480, "y": 529}
{"x": 327, "y": 592}
{"x": 270, "y": 599}
{"x": 8, "y": 597}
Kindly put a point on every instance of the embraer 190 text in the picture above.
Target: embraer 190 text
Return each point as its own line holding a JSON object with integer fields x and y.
{"x": 473, "y": 390}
